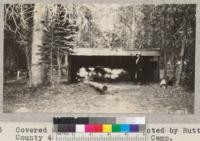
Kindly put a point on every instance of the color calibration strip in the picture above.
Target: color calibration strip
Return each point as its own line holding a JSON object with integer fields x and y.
{"x": 100, "y": 125}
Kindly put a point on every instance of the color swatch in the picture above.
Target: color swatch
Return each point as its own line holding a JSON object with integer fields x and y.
{"x": 107, "y": 128}
{"x": 99, "y": 125}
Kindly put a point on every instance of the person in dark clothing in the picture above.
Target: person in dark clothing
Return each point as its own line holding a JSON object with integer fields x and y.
{"x": 139, "y": 68}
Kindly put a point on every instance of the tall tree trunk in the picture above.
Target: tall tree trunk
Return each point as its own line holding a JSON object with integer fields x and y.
{"x": 28, "y": 58}
{"x": 164, "y": 47}
{"x": 59, "y": 65}
{"x": 132, "y": 46}
{"x": 184, "y": 43}
{"x": 173, "y": 47}
{"x": 38, "y": 68}
{"x": 27, "y": 32}
{"x": 181, "y": 62}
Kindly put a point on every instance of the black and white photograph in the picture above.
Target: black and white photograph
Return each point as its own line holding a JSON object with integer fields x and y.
{"x": 99, "y": 58}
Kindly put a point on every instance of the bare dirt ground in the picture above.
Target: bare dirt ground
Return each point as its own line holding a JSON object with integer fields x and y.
{"x": 121, "y": 97}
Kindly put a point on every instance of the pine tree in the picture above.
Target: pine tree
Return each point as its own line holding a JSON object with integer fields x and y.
{"x": 58, "y": 41}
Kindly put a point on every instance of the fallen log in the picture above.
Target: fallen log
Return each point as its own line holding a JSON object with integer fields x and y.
{"x": 102, "y": 88}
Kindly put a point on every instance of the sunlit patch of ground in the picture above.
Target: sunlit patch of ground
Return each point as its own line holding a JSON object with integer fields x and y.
{"x": 122, "y": 97}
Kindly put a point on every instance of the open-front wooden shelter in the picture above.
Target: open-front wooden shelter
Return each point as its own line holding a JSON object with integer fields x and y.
{"x": 114, "y": 58}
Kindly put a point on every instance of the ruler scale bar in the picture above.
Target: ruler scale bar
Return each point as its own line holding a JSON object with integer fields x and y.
{"x": 100, "y": 137}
